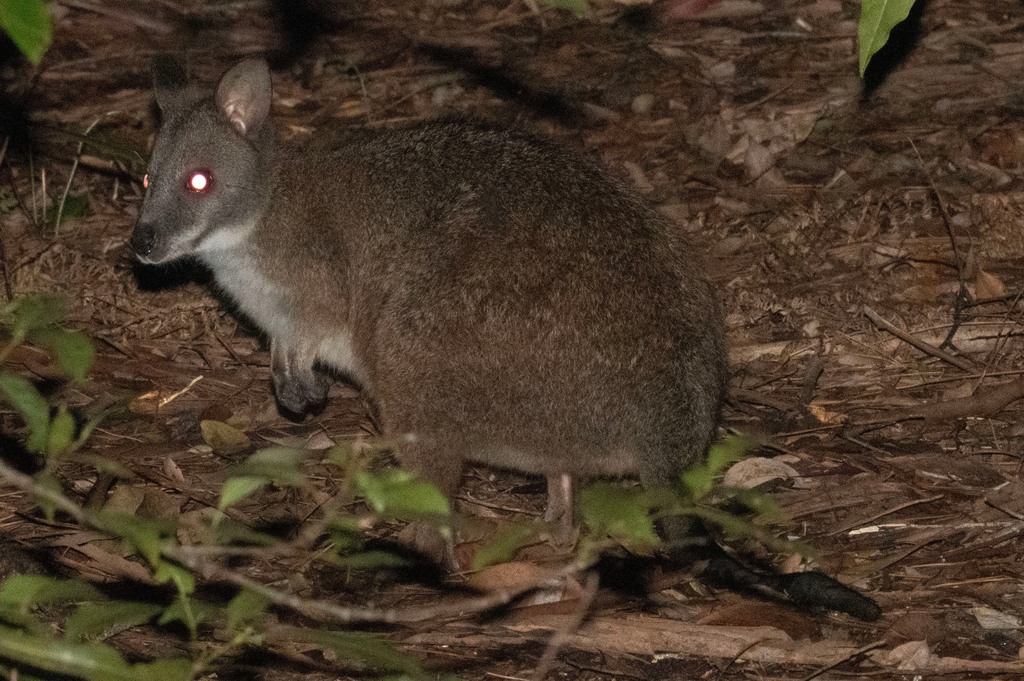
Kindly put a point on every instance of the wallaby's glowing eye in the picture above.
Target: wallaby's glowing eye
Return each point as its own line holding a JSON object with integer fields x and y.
{"x": 199, "y": 181}
{"x": 145, "y": 181}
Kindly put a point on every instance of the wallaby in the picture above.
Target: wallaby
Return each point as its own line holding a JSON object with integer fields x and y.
{"x": 501, "y": 299}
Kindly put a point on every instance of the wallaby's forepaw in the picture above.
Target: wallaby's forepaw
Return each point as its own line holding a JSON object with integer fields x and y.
{"x": 297, "y": 400}
{"x": 298, "y": 386}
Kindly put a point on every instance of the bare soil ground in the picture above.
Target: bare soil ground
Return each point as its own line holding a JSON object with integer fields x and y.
{"x": 867, "y": 246}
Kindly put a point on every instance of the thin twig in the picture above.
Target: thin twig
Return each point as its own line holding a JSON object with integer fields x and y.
{"x": 71, "y": 175}
{"x": 962, "y": 295}
{"x": 927, "y": 348}
{"x": 561, "y": 637}
{"x": 883, "y": 513}
{"x": 123, "y": 14}
{"x": 328, "y": 612}
{"x": 982, "y": 403}
{"x": 855, "y": 653}
{"x": 3, "y": 242}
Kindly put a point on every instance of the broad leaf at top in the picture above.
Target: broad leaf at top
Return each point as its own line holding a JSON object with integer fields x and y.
{"x": 877, "y": 19}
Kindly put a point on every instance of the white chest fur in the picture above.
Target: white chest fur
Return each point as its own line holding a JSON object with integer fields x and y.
{"x": 272, "y": 308}
{"x": 266, "y": 303}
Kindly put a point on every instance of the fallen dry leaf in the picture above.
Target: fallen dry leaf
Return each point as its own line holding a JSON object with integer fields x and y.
{"x": 224, "y": 439}
{"x": 757, "y": 470}
{"x": 517, "y": 575}
{"x": 988, "y": 286}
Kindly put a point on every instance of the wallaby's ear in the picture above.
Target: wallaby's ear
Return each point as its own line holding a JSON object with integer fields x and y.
{"x": 169, "y": 78}
{"x": 243, "y": 95}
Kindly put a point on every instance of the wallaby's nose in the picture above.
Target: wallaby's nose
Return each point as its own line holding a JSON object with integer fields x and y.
{"x": 144, "y": 239}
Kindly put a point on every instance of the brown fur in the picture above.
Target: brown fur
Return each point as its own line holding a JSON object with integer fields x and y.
{"x": 502, "y": 299}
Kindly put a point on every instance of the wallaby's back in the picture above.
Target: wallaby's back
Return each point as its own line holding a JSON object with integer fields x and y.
{"x": 503, "y": 295}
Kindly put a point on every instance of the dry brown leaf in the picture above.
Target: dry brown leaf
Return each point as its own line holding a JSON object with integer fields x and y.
{"x": 992, "y": 619}
{"x": 173, "y": 471}
{"x": 224, "y": 439}
{"x": 757, "y": 470}
{"x": 517, "y": 575}
{"x": 988, "y": 286}
{"x": 911, "y": 656}
{"x": 125, "y": 499}
{"x": 194, "y": 527}
{"x": 825, "y": 416}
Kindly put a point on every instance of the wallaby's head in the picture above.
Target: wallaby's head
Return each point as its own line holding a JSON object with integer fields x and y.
{"x": 206, "y": 183}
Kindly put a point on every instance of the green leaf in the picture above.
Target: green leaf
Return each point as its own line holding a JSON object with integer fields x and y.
{"x": 34, "y": 410}
{"x": 93, "y": 661}
{"x": 501, "y": 548}
{"x": 183, "y": 580}
{"x": 75, "y": 206}
{"x": 224, "y": 439}
{"x": 236, "y": 489}
{"x": 280, "y": 465}
{"x": 732, "y": 525}
{"x": 37, "y": 311}
{"x": 356, "y": 647}
{"x": 48, "y": 480}
{"x": 92, "y": 620}
{"x": 764, "y": 506}
{"x": 73, "y": 350}
{"x": 621, "y": 513}
{"x": 189, "y": 612}
{"x": 22, "y": 592}
{"x": 245, "y": 609}
{"x": 877, "y": 19}
{"x": 62, "y": 432}
{"x": 164, "y": 670}
{"x": 399, "y": 494}
{"x": 145, "y": 535}
{"x": 28, "y": 24}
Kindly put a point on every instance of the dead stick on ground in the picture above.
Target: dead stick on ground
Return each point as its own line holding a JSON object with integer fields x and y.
{"x": 882, "y": 514}
{"x": 982, "y": 403}
{"x": 561, "y": 636}
{"x": 959, "y": 362}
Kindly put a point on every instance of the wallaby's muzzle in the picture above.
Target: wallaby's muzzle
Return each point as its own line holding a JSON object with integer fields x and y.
{"x": 143, "y": 240}
{"x": 148, "y": 247}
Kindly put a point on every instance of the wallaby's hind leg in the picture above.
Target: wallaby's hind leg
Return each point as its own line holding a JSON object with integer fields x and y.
{"x": 444, "y": 470}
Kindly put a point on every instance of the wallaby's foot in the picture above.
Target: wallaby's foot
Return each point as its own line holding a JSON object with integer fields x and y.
{"x": 298, "y": 399}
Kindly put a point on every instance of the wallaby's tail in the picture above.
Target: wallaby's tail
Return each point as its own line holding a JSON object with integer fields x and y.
{"x": 811, "y": 589}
